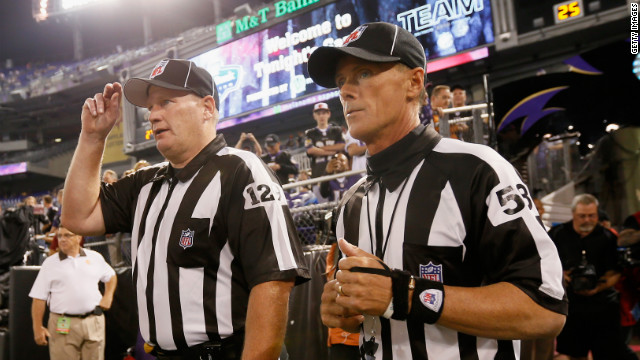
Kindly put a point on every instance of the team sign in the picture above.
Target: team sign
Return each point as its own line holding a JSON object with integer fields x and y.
{"x": 225, "y": 30}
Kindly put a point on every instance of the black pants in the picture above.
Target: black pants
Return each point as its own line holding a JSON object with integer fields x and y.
{"x": 597, "y": 330}
{"x": 228, "y": 349}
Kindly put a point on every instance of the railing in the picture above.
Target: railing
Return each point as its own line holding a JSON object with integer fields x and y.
{"x": 479, "y": 130}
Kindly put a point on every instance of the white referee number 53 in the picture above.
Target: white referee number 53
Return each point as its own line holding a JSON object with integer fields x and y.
{"x": 256, "y": 195}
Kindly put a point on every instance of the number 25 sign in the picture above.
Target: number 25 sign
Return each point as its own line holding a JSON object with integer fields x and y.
{"x": 567, "y": 10}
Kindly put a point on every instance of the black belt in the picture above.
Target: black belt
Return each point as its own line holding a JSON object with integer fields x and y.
{"x": 97, "y": 311}
{"x": 228, "y": 348}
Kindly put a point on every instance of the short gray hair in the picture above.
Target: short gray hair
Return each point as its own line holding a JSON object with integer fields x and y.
{"x": 584, "y": 199}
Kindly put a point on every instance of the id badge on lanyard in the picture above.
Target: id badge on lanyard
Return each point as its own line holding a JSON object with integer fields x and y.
{"x": 63, "y": 325}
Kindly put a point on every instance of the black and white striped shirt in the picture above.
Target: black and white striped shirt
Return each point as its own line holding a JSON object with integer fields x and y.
{"x": 457, "y": 213}
{"x": 202, "y": 237}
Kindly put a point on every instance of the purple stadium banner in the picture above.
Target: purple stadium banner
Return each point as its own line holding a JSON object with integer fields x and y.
{"x": 10, "y": 169}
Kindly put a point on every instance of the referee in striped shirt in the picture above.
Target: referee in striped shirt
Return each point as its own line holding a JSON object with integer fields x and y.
{"x": 463, "y": 266}
{"x": 214, "y": 248}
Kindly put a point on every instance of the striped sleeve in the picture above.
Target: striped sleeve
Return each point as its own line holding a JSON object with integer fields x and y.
{"x": 513, "y": 243}
{"x": 118, "y": 200}
{"x": 262, "y": 234}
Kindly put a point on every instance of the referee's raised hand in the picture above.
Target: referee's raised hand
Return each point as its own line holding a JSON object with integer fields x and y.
{"x": 101, "y": 112}
{"x": 361, "y": 292}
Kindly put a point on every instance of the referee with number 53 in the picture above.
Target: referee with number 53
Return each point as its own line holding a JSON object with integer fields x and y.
{"x": 463, "y": 266}
{"x": 214, "y": 249}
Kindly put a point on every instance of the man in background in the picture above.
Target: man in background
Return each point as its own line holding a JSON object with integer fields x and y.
{"x": 249, "y": 143}
{"x": 68, "y": 283}
{"x": 322, "y": 141}
{"x": 109, "y": 176}
{"x": 50, "y": 212}
{"x": 441, "y": 99}
{"x": 278, "y": 160}
{"x": 36, "y": 213}
{"x": 588, "y": 253}
{"x": 334, "y": 189}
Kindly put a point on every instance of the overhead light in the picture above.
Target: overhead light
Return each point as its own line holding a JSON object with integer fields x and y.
{"x": 590, "y": 146}
{"x": 57, "y": 140}
{"x": 546, "y": 136}
{"x": 562, "y": 136}
{"x": 612, "y": 127}
{"x": 570, "y": 127}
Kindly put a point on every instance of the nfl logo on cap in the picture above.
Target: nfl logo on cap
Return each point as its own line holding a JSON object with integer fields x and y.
{"x": 355, "y": 35}
{"x": 159, "y": 69}
{"x": 186, "y": 238}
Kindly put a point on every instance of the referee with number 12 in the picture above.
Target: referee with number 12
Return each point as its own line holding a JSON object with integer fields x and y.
{"x": 214, "y": 250}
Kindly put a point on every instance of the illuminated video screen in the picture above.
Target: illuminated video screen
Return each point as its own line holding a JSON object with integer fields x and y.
{"x": 10, "y": 169}
{"x": 268, "y": 67}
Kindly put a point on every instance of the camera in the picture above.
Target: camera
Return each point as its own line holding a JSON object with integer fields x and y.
{"x": 584, "y": 276}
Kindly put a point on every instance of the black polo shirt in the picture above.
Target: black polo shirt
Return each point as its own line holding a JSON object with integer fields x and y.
{"x": 600, "y": 249}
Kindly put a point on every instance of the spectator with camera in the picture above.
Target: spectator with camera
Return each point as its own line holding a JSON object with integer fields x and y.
{"x": 589, "y": 260}
{"x": 36, "y": 214}
{"x": 335, "y": 189}
{"x": 279, "y": 161}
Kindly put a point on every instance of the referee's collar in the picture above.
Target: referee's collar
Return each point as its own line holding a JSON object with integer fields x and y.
{"x": 196, "y": 163}
{"x": 395, "y": 163}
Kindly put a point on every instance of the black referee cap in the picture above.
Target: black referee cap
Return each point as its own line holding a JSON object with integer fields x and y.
{"x": 173, "y": 74}
{"x": 376, "y": 42}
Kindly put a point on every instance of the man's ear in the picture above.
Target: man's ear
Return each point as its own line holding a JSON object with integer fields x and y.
{"x": 416, "y": 82}
{"x": 209, "y": 107}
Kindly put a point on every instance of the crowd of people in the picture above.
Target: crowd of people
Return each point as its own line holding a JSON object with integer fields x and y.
{"x": 441, "y": 253}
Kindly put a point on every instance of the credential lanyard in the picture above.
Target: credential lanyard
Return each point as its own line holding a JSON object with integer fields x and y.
{"x": 381, "y": 247}
{"x": 369, "y": 347}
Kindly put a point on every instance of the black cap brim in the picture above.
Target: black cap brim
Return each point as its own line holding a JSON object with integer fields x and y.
{"x": 136, "y": 90}
{"x": 324, "y": 60}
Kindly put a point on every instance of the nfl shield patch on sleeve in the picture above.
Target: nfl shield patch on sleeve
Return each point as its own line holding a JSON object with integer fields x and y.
{"x": 186, "y": 238}
{"x": 431, "y": 272}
